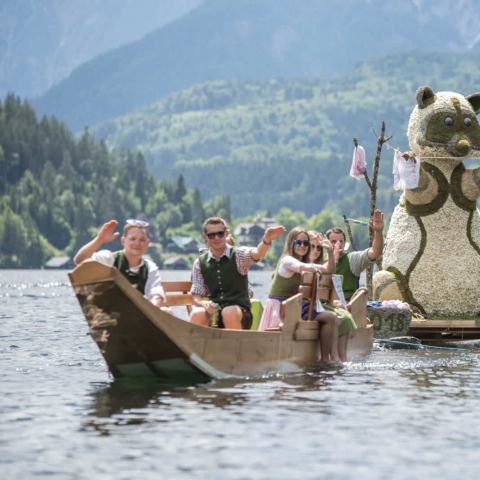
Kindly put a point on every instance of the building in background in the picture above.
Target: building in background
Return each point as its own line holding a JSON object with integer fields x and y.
{"x": 251, "y": 233}
{"x": 183, "y": 245}
{"x": 61, "y": 263}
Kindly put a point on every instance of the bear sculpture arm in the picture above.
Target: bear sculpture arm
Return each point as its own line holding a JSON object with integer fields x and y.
{"x": 471, "y": 183}
{"x": 426, "y": 191}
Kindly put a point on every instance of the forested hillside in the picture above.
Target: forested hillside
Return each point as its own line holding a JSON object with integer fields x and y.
{"x": 257, "y": 40}
{"x": 55, "y": 191}
{"x": 288, "y": 143}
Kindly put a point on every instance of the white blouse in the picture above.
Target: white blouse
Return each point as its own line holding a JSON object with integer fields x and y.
{"x": 290, "y": 265}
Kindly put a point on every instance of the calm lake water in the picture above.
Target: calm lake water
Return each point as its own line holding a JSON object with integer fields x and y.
{"x": 398, "y": 414}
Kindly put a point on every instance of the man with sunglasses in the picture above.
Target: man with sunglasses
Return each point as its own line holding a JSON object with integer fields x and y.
{"x": 351, "y": 264}
{"x": 221, "y": 274}
{"x": 142, "y": 273}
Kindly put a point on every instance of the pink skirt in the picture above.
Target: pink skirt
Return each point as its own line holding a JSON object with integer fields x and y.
{"x": 271, "y": 317}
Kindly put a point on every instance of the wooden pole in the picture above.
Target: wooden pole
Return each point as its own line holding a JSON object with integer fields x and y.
{"x": 372, "y": 185}
{"x": 373, "y": 199}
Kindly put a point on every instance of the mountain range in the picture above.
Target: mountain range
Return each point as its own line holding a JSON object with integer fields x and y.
{"x": 42, "y": 41}
{"x": 256, "y": 40}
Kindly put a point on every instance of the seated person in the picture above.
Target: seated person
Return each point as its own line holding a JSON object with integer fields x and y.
{"x": 286, "y": 282}
{"x": 351, "y": 264}
{"x": 221, "y": 273}
{"x": 143, "y": 274}
{"x": 346, "y": 324}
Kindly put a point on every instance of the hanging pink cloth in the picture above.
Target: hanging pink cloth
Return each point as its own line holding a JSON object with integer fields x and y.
{"x": 358, "y": 163}
{"x": 406, "y": 172}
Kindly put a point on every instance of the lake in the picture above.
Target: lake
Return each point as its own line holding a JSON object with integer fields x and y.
{"x": 397, "y": 414}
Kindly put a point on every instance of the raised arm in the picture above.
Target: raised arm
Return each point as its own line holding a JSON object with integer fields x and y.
{"x": 329, "y": 266}
{"x": 291, "y": 264}
{"x": 377, "y": 245}
{"x": 427, "y": 188}
{"x": 271, "y": 234}
{"x": 106, "y": 234}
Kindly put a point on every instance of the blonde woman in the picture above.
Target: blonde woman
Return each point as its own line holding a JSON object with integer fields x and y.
{"x": 286, "y": 282}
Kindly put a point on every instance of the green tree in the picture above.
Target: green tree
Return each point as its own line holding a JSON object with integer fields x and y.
{"x": 180, "y": 190}
{"x": 13, "y": 240}
{"x": 290, "y": 219}
{"x": 324, "y": 221}
{"x": 3, "y": 171}
{"x": 198, "y": 212}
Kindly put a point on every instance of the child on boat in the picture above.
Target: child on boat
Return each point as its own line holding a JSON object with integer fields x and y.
{"x": 286, "y": 282}
{"x": 346, "y": 324}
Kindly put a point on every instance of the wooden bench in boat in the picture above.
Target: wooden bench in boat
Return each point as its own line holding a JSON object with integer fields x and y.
{"x": 357, "y": 306}
{"x": 176, "y": 294}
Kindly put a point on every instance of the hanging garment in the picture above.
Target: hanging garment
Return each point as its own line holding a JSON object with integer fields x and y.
{"x": 406, "y": 173}
{"x": 358, "y": 163}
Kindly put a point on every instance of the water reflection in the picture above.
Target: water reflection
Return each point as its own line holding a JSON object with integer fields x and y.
{"x": 126, "y": 402}
{"x": 134, "y": 402}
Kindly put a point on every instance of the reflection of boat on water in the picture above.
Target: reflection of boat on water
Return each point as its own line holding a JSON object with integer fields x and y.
{"x": 130, "y": 394}
{"x": 137, "y": 401}
{"x": 137, "y": 339}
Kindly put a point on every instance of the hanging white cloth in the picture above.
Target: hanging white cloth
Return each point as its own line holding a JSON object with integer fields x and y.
{"x": 406, "y": 173}
{"x": 359, "y": 164}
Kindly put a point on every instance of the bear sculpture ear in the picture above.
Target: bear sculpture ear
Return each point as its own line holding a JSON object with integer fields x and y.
{"x": 474, "y": 100}
{"x": 425, "y": 97}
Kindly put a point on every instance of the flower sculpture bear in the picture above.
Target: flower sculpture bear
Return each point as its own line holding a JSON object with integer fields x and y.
{"x": 432, "y": 252}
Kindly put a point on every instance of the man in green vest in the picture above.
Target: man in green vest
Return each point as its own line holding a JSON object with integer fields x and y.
{"x": 351, "y": 264}
{"x": 220, "y": 274}
{"x": 142, "y": 273}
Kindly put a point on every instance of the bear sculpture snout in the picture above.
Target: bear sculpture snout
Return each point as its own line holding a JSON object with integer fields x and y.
{"x": 463, "y": 146}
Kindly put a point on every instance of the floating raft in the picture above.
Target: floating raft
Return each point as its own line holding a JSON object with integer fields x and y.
{"x": 441, "y": 330}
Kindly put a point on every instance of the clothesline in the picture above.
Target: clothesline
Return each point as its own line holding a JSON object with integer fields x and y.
{"x": 422, "y": 157}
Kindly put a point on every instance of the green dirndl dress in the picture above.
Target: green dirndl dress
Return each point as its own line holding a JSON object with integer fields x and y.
{"x": 345, "y": 320}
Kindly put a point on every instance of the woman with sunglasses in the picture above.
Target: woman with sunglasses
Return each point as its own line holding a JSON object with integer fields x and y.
{"x": 346, "y": 323}
{"x": 286, "y": 282}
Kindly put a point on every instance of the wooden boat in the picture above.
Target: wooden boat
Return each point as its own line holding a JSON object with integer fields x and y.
{"x": 138, "y": 339}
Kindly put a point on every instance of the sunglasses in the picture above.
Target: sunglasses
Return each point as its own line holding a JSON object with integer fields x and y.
{"x": 220, "y": 234}
{"x": 134, "y": 221}
{"x": 318, "y": 247}
{"x": 299, "y": 243}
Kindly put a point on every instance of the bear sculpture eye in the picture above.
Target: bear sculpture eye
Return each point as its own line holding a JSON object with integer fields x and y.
{"x": 467, "y": 121}
{"x": 449, "y": 121}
